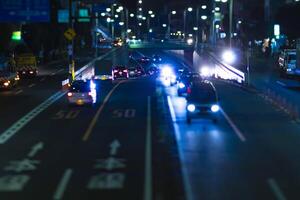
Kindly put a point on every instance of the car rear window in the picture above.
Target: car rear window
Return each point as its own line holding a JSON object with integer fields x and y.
{"x": 203, "y": 94}
{"x": 80, "y": 87}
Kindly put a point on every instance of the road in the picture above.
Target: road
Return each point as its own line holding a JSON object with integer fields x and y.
{"x": 134, "y": 143}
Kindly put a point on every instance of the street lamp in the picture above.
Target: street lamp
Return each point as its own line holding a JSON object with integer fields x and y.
{"x": 173, "y": 12}
{"x": 189, "y": 9}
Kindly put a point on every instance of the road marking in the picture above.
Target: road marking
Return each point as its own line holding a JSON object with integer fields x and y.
{"x": 94, "y": 120}
{"x": 35, "y": 149}
{"x": 59, "y": 71}
{"x": 43, "y": 79}
{"x": 148, "y": 155}
{"x": 19, "y": 91}
{"x": 234, "y": 127}
{"x": 281, "y": 83}
{"x": 60, "y": 190}
{"x": 18, "y": 125}
{"x": 114, "y": 146}
{"x": 31, "y": 85}
{"x": 184, "y": 171}
{"x": 276, "y": 189}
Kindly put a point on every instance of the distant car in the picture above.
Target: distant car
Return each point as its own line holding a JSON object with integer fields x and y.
{"x": 156, "y": 59}
{"x": 120, "y": 72}
{"x": 202, "y": 102}
{"x": 144, "y": 59}
{"x": 184, "y": 83}
{"x": 82, "y": 92}
{"x": 117, "y": 43}
{"x": 152, "y": 71}
{"x": 136, "y": 71}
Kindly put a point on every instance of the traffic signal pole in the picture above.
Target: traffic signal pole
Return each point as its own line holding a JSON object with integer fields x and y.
{"x": 71, "y": 46}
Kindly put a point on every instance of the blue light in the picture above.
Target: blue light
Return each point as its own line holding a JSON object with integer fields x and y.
{"x": 191, "y": 107}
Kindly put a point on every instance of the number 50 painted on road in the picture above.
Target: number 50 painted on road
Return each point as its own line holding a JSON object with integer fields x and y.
{"x": 124, "y": 113}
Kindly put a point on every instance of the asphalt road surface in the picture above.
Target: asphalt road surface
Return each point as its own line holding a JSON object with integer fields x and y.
{"x": 134, "y": 143}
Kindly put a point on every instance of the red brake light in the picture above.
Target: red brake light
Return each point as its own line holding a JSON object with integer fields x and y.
{"x": 70, "y": 94}
{"x": 189, "y": 90}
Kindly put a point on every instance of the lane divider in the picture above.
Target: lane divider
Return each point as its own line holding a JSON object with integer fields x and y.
{"x": 19, "y": 91}
{"x": 99, "y": 111}
{"x": 31, "y": 85}
{"x": 18, "y": 125}
{"x": 61, "y": 188}
{"x": 148, "y": 155}
{"x": 276, "y": 189}
{"x": 237, "y": 131}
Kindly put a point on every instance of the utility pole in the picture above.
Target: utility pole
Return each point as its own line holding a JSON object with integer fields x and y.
{"x": 184, "y": 23}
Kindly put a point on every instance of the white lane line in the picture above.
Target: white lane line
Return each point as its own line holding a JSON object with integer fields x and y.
{"x": 18, "y": 125}
{"x": 148, "y": 155}
{"x": 234, "y": 127}
{"x": 61, "y": 188}
{"x": 184, "y": 171}
{"x": 43, "y": 79}
{"x": 276, "y": 189}
{"x": 281, "y": 83}
{"x": 31, "y": 85}
{"x": 60, "y": 70}
{"x": 19, "y": 91}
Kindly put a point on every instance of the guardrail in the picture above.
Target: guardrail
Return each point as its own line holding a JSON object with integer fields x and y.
{"x": 226, "y": 71}
{"x": 87, "y": 71}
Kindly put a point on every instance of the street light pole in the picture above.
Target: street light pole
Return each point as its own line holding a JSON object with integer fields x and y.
{"x": 230, "y": 21}
{"x": 71, "y": 45}
{"x": 184, "y": 23}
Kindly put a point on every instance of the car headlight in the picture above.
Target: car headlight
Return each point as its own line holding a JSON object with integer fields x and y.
{"x": 6, "y": 84}
{"x": 191, "y": 107}
{"x": 215, "y": 108}
{"x": 181, "y": 85}
{"x": 205, "y": 71}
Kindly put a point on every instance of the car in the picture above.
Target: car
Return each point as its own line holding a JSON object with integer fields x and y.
{"x": 136, "y": 71}
{"x": 117, "y": 43}
{"x": 120, "y": 72}
{"x": 202, "y": 102}
{"x": 156, "y": 59}
{"x": 144, "y": 59}
{"x": 185, "y": 81}
{"x": 82, "y": 92}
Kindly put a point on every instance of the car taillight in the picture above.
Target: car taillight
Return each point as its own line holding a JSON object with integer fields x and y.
{"x": 125, "y": 70}
{"x": 115, "y": 71}
{"x": 189, "y": 91}
{"x": 70, "y": 94}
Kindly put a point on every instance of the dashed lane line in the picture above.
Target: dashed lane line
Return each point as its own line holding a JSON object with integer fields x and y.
{"x": 18, "y": 125}
{"x": 19, "y": 91}
{"x": 62, "y": 186}
{"x": 276, "y": 189}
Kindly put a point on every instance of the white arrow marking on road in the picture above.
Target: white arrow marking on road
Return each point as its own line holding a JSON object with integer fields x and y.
{"x": 37, "y": 147}
{"x": 114, "y": 146}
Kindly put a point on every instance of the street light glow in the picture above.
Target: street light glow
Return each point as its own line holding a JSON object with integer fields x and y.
{"x": 140, "y": 1}
{"x": 150, "y": 30}
{"x": 131, "y": 15}
{"x": 129, "y": 30}
{"x": 150, "y": 12}
{"x": 195, "y": 28}
{"x": 229, "y": 57}
{"x": 190, "y": 9}
{"x": 121, "y": 8}
{"x": 103, "y": 14}
{"x": 108, "y": 9}
{"x": 152, "y": 16}
{"x": 121, "y": 23}
{"x": 217, "y": 9}
{"x": 174, "y": 12}
{"x": 203, "y": 7}
{"x": 204, "y": 17}
{"x": 164, "y": 25}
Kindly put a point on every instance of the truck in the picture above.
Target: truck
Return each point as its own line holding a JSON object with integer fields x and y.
{"x": 8, "y": 76}
{"x": 287, "y": 63}
{"x": 26, "y": 62}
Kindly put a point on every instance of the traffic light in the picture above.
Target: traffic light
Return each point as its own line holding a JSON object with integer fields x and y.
{"x": 16, "y": 36}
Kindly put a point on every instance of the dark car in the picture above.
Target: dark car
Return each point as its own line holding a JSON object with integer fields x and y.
{"x": 119, "y": 72}
{"x": 185, "y": 81}
{"x": 82, "y": 92}
{"x": 136, "y": 71}
{"x": 202, "y": 102}
{"x": 156, "y": 59}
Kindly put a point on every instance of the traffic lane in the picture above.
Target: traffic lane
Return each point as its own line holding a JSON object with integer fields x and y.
{"x": 273, "y": 134}
{"x": 213, "y": 156}
{"x": 120, "y": 174}
{"x": 59, "y": 129}
{"x": 31, "y": 93}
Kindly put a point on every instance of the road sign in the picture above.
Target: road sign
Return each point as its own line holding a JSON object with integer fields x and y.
{"x": 70, "y": 34}
{"x": 24, "y": 11}
{"x": 63, "y": 16}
